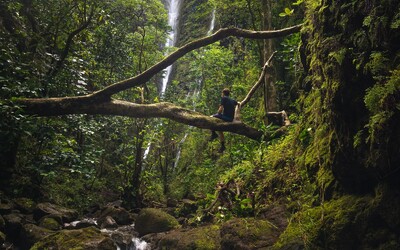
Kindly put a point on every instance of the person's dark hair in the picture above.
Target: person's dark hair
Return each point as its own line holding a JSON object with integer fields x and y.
{"x": 226, "y": 92}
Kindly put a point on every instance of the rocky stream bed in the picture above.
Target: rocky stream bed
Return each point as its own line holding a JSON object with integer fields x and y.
{"x": 27, "y": 225}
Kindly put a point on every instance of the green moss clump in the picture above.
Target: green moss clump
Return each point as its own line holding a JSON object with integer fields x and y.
{"x": 205, "y": 238}
{"x": 50, "y": 223}
{"x": 152, "y": 220}
{"x": 86, "y": 238}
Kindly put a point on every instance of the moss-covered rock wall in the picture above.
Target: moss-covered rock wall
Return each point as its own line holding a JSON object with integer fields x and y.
{"x": 351, "y": 58}
{"x": 349, "y": 126}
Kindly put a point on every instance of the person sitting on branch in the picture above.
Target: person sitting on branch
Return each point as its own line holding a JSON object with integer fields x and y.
{"x": 226, "y": 112}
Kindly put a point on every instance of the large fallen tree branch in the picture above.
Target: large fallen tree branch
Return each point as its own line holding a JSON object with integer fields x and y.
{"x": 100, "y": 102}
{"x": 84, "y": 105}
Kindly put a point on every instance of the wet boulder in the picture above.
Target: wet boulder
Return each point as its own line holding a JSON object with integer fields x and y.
{"x": 85, "y": 238}
{"x": 119, "y": 214}
{"x": 152, "y": 220}
{"x": 108, "y": 222}
{"x": 30, "y": 234}
{"x": 86, "y": 222}
{"x": 125, "y": 236}
{"x": 44, "y": 209}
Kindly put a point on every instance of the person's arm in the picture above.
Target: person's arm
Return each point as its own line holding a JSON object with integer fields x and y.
{"x": 220, "y": 109}
{"x": 221, "y": 105}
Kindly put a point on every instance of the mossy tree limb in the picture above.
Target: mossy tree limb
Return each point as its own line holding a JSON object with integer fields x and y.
{"x": 84, "y": 105}
{"x": 101, "y": 103}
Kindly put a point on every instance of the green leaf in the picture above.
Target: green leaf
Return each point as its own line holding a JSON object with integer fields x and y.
{"x": 298, "y": 2}
{"x": 289, "y": 11}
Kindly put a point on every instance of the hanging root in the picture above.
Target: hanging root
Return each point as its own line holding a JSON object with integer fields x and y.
{"x": 237, "y": 117}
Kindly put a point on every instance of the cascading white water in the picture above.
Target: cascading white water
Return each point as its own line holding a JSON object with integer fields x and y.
{"x": 147, "y": 150}
{"x": 195, "y": 95}
{"x": 178, "y": 154}
{"x": 173, "y": 7}
{"x": 173, "y": 14}
{"x": 212, "y": 23}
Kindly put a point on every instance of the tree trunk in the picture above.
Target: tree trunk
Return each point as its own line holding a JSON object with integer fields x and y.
{"x": 270, "y": 95}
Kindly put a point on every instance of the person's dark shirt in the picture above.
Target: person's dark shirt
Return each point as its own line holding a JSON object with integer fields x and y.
{"x": 229, "y": 106}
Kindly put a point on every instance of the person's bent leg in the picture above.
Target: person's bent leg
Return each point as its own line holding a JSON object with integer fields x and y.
{"x": 222, "y": 140}
{"x": 214, "y": 135}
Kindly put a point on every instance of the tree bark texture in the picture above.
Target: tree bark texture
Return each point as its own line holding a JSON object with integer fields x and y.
{"x": 83, "y": 105}
{"x": 270, "y": 95}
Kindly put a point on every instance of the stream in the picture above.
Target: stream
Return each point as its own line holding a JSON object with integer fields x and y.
{"x": 126, "y": 239}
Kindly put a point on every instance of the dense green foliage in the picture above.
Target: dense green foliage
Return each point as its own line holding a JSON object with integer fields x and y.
{"x": 101, "y": 43}
{"x": 75, "y": 48}
{"x": 334, "y": 171}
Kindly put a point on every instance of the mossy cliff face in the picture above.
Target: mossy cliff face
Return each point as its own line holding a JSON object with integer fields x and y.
{"x": 349, "y": 128}
{"x": 350, "y": 53}
{"x": 194, "y": 20}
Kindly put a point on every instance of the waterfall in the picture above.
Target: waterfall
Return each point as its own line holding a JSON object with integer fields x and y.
{"x": 194, "y": 96}
{"x": 147, "y": 150}
{"x": 212, "y": 23}
{"x": 178, "y": 154}
{"x": 173, "y": 7}
{"x": 173, "y": 14}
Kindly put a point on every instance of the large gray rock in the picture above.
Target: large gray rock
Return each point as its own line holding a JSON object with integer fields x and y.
{"x": 45, "y": 209}
{"x": 119, "y": 214}
{"x": 152, "y": 220}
